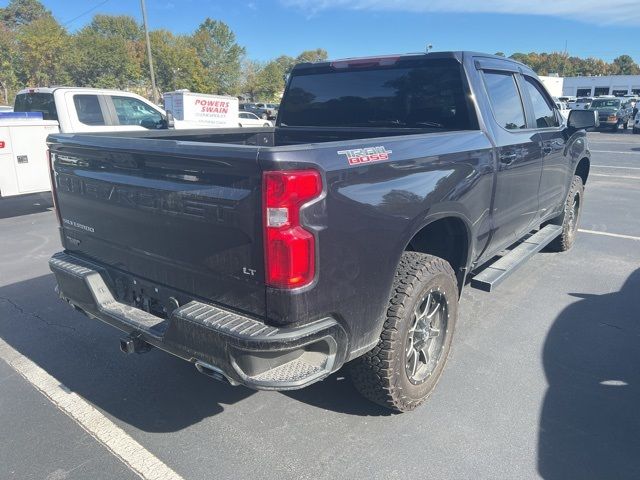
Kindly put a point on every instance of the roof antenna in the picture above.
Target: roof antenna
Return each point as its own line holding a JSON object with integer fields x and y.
{"x": 429, "y": 48}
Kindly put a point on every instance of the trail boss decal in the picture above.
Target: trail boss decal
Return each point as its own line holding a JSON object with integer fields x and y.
{"x": 366, "y": 155}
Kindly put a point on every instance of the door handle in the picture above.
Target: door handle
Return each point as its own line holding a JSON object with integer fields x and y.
{"x": 508, "y": 158}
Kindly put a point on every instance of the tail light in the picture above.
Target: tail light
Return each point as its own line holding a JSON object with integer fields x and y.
{"x": 289, "y": 247}
{"x": 54, "y": 191}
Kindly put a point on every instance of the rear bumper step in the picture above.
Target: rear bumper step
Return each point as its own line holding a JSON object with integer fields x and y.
{"x": 218, "y": 341}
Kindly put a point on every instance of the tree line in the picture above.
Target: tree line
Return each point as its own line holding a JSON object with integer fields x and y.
{"x": 109, "y": 52}
{"x": 568, "y": 66}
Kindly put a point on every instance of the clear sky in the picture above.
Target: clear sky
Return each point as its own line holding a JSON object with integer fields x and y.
{"x": 268, "y": 28}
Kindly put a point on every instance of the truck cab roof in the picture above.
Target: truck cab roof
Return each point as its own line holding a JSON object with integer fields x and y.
{"x": 65, "y": 88}
{"x": 393, "y": 58}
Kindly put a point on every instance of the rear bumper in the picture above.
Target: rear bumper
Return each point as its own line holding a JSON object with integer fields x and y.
{"x": 219, "y": 342}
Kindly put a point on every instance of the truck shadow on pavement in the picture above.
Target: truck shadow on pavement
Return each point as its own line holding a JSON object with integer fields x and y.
{"x": 25, "y": 205}
{"x": 154, "y": 392}
{"x": 590, "y": 419}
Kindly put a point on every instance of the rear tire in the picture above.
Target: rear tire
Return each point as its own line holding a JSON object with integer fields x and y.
{"x": 406, "y": 364}
{"x": 570, "y": 217}
{"x": 635, "y": 130}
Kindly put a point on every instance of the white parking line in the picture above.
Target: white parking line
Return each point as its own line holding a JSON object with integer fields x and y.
{"x": 117, "y": 441}
{"x": 611, "y": 166}
{"x": 615, "y": 151}
{"x": 630, "y": 177}
{"x": 607, "y": 234}
{"x": 612, "y": 142}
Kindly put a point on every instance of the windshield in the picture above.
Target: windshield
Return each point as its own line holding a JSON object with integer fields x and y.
{"x": 429, "y": 93}
{"x": 37, "y": 102}
{"x": 605, "y": 104}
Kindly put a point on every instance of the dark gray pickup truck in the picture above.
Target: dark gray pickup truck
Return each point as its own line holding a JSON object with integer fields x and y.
{"x": 272, "y": 257}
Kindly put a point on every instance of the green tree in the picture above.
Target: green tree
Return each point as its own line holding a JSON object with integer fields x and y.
{"x": 286, "y": 63}
{"x": 108, "y": 53}
{"x": 177, "y": 64}
{"x": 269, "y": 82}
{"x": 317, "y": 55}
{"x": 220, "y": 54}
{"x": 119, "y": 26}
{"x": 591, "y": 66}
{"x": 43, "y": 53}
{"x": 307, "y": 56}
{"x": 22, "y": 12}
{"x": 8, "y": 61}
{"x": 250, "y": 76}
{"x": 624, "y": 65}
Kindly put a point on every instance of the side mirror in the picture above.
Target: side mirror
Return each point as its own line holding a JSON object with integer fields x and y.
{"x": 583, "y": 119}
{"x": 170, "y": 121}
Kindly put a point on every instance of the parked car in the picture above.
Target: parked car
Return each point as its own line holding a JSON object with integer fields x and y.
{"x": 248, "y": 119}
{"x": 636, "y": 121}
{"x": 344, "y": 235}
{"x": 612, "y": 112}
{"x": 582, "y": 103}
{"x": 6, "y": 109}
{"x": 266, "y": 111}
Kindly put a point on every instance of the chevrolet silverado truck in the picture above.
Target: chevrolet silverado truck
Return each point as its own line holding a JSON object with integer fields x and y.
{"x": 343, "y": 235}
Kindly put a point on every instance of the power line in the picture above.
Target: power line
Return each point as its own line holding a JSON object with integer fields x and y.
{"x": 85, "y": 13}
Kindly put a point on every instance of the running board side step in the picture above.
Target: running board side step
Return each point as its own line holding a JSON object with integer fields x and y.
{"x": 496, "y": 273}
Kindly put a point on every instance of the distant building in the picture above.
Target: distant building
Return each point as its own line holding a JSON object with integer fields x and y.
{"x": 592, "y": 86}
{"x": 617, "y": 85}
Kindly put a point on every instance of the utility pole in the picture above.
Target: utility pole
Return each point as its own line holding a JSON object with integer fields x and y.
{"x": 154, "y": 93}
{"x": 6, "y": 94}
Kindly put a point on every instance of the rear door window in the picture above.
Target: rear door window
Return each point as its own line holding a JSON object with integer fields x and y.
{"x": 89, "y": 110}
{"x": 131, "y": 111}
{"x": 505, "y": 100}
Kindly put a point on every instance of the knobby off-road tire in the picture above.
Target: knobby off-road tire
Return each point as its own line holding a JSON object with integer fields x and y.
{"x": 387, "y": 375}
{"x": 570, "y": 217}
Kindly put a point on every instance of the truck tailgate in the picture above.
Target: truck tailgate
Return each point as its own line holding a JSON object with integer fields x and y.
{"x": 177, "y": 214}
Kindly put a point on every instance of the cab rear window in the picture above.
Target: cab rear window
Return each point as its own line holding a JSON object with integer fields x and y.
{"x": 429, "y": 94}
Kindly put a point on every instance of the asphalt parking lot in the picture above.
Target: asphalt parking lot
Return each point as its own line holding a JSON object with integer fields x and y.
{"x": 543, "y": 380}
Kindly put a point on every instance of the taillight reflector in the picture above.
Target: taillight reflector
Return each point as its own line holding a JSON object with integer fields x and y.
{"x": 289, "y": 247}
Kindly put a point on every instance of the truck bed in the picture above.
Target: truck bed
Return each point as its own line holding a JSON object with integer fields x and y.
{"x": 267, "y": 137}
